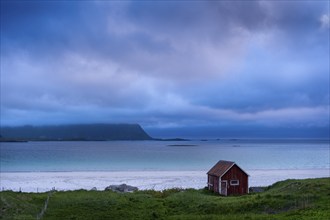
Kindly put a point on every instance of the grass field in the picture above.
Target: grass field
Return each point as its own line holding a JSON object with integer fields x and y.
{"x": 290, "y": 199}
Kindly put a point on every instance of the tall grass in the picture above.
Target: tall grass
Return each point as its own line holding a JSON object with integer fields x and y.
{"x": 291, "y": 199}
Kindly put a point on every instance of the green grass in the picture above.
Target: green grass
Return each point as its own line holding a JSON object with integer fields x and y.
{"x": 290, "y": 199}
{"x": 14, "y": 205}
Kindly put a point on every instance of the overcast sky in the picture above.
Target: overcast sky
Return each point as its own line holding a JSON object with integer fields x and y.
{"x": 178, "y": 68}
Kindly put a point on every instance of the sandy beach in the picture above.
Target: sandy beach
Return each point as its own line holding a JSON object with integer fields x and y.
{"x": 157, "y": 180}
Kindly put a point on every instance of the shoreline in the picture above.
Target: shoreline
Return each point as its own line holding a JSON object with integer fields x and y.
{"x": 154, "y": 170}
{"x": 157, "y": 180}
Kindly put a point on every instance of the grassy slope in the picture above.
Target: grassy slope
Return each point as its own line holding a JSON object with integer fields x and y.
{"x": 290, "y": 199}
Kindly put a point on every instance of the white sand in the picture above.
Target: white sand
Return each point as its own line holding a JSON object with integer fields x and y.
{"x": 158, "y": 180}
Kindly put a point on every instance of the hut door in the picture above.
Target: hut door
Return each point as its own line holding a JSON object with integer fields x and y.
{"x": 223, "y": 187}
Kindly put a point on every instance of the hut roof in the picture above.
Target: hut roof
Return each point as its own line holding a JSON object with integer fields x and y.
{"x": 220, "y": 168}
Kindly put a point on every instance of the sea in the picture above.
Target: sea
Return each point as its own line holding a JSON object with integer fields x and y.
{"x": 201, "y": 155}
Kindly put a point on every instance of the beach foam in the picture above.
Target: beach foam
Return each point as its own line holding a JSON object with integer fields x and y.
{"x": 157, "y": 180}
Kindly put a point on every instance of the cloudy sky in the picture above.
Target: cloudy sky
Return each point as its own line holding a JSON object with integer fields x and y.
{"x": 178, "y": 68}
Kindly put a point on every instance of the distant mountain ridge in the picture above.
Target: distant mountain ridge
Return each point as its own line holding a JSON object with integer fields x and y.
{"x": 76, "y": 132}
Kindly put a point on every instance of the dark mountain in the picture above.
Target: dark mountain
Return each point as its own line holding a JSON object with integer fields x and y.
{"x": 76, "y": 132}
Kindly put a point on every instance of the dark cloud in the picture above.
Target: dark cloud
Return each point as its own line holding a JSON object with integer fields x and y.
{"x": 297, "y": 17}
{"x": 165, "y": 63}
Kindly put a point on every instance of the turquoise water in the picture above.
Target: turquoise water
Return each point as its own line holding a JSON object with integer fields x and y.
{"x": 158, "y": 155}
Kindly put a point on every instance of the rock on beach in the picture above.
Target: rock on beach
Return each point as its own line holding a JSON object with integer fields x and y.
{"x": 121, "y": 188}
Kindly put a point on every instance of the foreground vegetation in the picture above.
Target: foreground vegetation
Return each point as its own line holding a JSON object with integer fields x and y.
{"x": 290, "y": 199}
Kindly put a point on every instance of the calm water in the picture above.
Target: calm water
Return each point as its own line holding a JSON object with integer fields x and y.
{"x": 158, "y": 155}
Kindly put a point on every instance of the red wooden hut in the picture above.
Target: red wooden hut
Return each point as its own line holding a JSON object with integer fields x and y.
{"x": 227, "y": 178}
